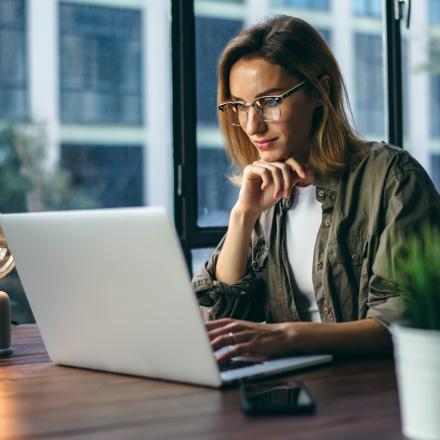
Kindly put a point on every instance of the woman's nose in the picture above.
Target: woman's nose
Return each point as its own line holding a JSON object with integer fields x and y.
{"x": 254, "y": 123}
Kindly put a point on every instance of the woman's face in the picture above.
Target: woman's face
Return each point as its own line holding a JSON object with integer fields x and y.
{"x": 290, "y": 135}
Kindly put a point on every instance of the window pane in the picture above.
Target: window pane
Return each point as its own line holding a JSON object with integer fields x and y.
{"x": 100, "y": 64}
{"x": 214, "y": 27}
{"x": 305, "y": 4}
{"x": 368, "y": 82}
{"x": 199, "y": 256}
{"x": 13, "y": 83}
{"x": 421, "y": 64}
{"x": 111, "y": 176}
{"x": 353, "y": 29}
{"x": 367, "y": 8}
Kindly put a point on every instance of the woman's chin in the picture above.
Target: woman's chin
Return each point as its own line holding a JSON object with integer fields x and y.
{"x": 272, "y": 156}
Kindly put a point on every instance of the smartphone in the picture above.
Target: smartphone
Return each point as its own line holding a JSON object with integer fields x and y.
{"x": 276, "y": 397}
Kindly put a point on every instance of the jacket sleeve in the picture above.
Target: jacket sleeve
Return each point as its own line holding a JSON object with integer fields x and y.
{"x": 241, "y": 300}
{"x": 409, "y": 200}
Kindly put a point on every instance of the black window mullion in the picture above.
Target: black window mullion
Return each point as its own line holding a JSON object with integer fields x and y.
{"x": 184, "y": 132}
{"x": 184, "y": 119}
{"x": 394, "y": 75}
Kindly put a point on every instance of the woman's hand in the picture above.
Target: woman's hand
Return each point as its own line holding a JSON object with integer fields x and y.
{"x": 265, "y": 183}
{"x": 249, "y": 338}
{"x": 363, "y": 337}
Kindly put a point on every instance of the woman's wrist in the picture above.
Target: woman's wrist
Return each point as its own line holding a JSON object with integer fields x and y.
{"x": 243, "y": 218}
{"x": 301, "y": 336}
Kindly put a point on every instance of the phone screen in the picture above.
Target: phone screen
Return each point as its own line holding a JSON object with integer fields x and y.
{"x": 281, "y": 397}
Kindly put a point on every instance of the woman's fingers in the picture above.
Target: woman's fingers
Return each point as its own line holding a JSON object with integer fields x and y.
{"x": 304, "y": 172}
{"x": 282, "y": 175}
{"x": 244, "y": 337}
{"x": 231, "y": 327}
{"x": 211, "y": 325}
{"x": 297, "y": 167}
{"x": 232, "y": 338}
{"x": 252, "y": 171}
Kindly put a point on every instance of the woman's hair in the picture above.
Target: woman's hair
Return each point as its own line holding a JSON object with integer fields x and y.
{"x": 299, "y": 48}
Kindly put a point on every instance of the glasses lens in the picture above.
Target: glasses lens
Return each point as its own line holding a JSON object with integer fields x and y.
{"x": 270, "y": 109}
{"x": 233, "y": 113}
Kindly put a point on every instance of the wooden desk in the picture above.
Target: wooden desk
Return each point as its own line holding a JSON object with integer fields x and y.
{"x": 39, "y": 400}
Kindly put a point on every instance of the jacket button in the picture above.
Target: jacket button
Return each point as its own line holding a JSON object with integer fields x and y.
{"x": 355, "y": 256}
{"x": 321, "y": 193}
{"x": 325, "y": 308}
{"x": 319, "y": 265}
{"x": 327, "y": 222}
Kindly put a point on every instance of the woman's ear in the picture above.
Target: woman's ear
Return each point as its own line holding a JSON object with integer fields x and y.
{"x": 325, "y": 85}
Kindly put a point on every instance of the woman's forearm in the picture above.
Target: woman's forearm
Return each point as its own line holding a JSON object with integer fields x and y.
{"x": 366, "y": 336}
{"x": 232, "y": 261}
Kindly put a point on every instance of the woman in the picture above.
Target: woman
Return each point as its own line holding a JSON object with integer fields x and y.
{"x": 320, "y": 212}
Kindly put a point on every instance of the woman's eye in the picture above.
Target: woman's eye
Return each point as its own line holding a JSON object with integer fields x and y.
{"x": 270, "y": 102}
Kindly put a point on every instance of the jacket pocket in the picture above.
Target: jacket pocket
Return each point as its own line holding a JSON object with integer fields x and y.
{"x": 350, "y": 252}
{"x": 346, "y": 261}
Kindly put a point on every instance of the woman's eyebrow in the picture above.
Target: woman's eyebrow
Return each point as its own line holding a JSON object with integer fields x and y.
{"x": 264, "y": 93}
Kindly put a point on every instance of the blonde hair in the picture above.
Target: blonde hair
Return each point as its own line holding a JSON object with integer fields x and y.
{"x": 299, "y": 48}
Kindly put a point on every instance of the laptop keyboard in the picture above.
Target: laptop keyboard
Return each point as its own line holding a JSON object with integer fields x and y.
{"x": 234, "y": 364}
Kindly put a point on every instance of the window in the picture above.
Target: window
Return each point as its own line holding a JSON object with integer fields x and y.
{"x": 434, "y": 69}
{"x": 304, "y": 4}
{"x": 215, "y": 193}
{"x": 108, "y": 176}
{"x": 434, "y": 11}
{"x": 369, "y": 85}
{"x": 100, "y": 63}
{"x": 421, "y": 72}
{"x": 13, "y": 83}
{"x": 367, "y": 8}
{"x": 97, "y": 130}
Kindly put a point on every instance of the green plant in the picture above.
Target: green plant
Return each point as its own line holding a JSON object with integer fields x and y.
{"x": 418, "y": 273}
{"x": 30, "y": 180}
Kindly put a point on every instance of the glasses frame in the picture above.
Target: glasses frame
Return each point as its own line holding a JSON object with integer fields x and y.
{"x": 258, "y": 110}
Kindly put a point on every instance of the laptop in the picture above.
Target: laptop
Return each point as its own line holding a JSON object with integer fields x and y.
{"x": 110, "y": 291}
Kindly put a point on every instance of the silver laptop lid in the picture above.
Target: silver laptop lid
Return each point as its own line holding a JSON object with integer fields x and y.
{"x": 109, "y": 290}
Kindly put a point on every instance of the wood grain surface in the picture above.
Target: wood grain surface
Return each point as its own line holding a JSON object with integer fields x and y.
{"x": 356, "y": 399}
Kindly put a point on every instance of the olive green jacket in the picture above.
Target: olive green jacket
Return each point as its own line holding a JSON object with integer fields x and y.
{"x": 366, "y": 213}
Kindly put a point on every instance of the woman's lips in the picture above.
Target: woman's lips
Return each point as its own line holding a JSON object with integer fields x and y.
{"x": 265, "y": 144}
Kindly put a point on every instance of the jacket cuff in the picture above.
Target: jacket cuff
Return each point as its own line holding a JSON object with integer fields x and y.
{"x": 386, "y": 311}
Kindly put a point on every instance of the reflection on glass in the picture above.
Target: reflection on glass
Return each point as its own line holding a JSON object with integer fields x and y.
{"x": 7, "y": 262}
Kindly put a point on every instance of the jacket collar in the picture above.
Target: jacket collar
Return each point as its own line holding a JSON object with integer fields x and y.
{"x": 326, "y": 190}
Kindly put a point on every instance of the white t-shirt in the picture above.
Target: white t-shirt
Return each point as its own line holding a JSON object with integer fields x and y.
{"x": 302, "y": 224}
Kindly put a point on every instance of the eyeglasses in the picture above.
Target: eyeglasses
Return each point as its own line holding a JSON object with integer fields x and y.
{"x": 267, "y": 108}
